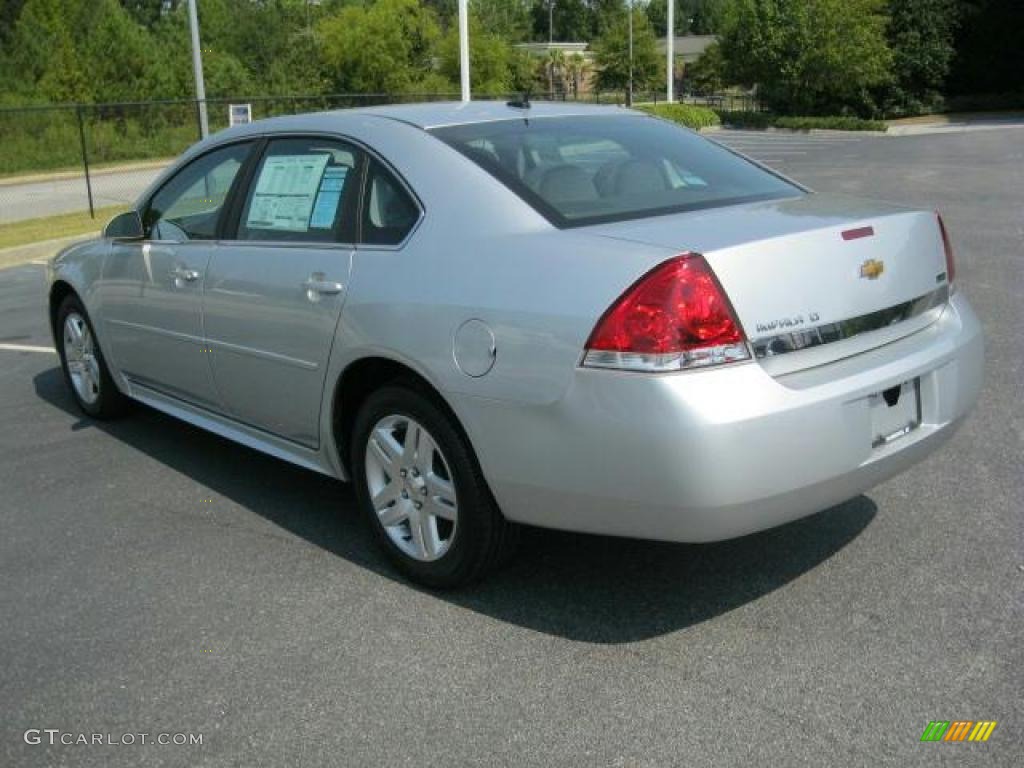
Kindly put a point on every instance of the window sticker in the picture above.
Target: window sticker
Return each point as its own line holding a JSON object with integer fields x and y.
{"x": 285, "y": 192}
{"x": 327, "y": 199}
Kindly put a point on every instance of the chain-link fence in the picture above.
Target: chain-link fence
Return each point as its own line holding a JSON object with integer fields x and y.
{"x": 98, "y": 158}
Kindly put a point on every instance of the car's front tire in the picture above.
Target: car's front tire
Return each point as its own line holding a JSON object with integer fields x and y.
{"x": 85, "y": 371}
{"x": 420, "y": 486}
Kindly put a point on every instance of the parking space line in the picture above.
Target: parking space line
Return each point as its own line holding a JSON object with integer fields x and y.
{"x": 27, "y": 348}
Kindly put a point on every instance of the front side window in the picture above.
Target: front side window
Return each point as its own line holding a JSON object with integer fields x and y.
{"x": 304, "y": 190}
{"x": 389, "y": 212}
{"x": 586, "y": 170}
{"x": 189, "y": 206}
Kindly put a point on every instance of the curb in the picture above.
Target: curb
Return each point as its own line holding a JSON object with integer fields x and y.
{"x": 925, "y": 129}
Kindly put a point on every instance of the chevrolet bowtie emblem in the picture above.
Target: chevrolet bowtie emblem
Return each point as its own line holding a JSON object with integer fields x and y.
{"x": 871, "y": 269}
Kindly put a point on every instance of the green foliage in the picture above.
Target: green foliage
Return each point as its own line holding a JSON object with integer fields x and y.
{"x": 707, "y": 74}
{"x": 570, "y": 20}
{"x": 684, "y": 114}
{"x": 612, "y": 55}
{"x": 694, "y": 17}
{"x": 385, "y": 47}
{"x": 505, "y": 19}
{"x": 522, "y": 68}
{"x": 805, "y": 57}
{"x": 920, "y": 35}
{"x": 768, "y": 120}
{"x": 490, "y": 59}
{"x": 809, "y": 56}
{"x": 44, "y": 140}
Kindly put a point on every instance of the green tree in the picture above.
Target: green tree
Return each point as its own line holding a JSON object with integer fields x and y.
{"x": 554, "y": 65}
{"x": 386, "y": 47}
{"x": 693, "y": 17}
{"x": 522, "y": 71}
{"x": 657, "y": 14}
{"x": 809, "y": 56}
{"x": 506, "y": 19}
{"x": 920, "y": 34}
{"x": 707, "y": 74}
{"x": 572, "y": 20}
{"x": 42, "y": 62}
{"x": 611, "y": 54}
{"x": 490, "y": 60}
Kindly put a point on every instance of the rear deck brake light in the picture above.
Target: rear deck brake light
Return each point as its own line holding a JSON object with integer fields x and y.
{"x": 676, "y": 317}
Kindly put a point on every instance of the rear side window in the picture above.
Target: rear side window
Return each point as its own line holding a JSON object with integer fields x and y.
{"x": 587, "y": 170}
{"x": 304, "y": 190}
{"x": 389, "y": 212}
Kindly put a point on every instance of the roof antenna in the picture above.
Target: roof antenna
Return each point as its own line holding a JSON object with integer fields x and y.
{"x": 524, "y": 102}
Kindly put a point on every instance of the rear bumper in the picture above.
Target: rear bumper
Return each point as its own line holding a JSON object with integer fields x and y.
{"x": 716, "y": 454}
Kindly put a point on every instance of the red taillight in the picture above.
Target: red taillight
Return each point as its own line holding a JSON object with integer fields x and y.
{"x": 676, "y": 316}
{"x": 950, "y": 266}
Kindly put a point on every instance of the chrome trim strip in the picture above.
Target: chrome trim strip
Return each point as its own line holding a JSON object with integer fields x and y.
{"x": 827, "y": 333}
{"x": 264, "y": 354}
{"x": 158, "y": 331}
{"x": 307, "y": 365}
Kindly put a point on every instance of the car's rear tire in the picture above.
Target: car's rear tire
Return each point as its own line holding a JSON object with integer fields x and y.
{"x": 85, "y": 371}
{"x": 422, "y": 491}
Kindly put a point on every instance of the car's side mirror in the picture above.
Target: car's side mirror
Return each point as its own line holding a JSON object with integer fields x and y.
{"x": 125, "y": 226}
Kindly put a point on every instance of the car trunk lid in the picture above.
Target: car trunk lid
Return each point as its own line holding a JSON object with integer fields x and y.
{"x": 813, "y": 278}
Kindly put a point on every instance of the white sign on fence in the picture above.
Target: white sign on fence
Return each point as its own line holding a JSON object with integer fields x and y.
{"x": 239, "y": 114}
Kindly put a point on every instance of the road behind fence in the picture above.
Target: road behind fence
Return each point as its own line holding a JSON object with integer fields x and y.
{"x": 100, "y": 157}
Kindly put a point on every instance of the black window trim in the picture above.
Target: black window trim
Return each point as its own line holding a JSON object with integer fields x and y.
{"x": 364, "y": 201}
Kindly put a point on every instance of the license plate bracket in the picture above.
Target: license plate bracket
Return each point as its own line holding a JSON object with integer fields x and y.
{"x": 895, "y": 412}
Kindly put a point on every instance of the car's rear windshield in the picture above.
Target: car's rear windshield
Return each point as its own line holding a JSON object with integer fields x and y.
{"x": 592, "y": 169}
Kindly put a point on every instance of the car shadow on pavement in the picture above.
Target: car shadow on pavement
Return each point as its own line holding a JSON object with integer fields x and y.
{"x": 588, "y": 588}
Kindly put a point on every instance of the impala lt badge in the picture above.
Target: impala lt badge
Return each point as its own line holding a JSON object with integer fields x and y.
{"x": 872, "y": 269}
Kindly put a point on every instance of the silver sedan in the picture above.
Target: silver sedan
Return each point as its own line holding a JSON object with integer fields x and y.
{"x": 485, "y": 314}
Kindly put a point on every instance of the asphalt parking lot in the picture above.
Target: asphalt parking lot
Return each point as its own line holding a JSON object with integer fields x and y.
{"x": 156, "y": 579}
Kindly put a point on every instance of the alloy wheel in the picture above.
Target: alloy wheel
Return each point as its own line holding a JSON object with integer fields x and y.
{"x": 411, "y": 487}
{"x": 80, "y": 355}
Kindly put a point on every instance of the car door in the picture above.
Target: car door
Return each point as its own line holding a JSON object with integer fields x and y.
{"x": 274, "y": 291}
{"x": 151, "y": 290}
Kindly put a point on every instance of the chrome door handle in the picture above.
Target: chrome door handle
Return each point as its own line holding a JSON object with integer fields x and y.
{"x": 317, "y": 286}
{"x": 183, "y": 273}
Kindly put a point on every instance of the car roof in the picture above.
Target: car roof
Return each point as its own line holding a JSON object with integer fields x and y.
{"x": 425, "y": 115}
{"x": 437, "y": 114}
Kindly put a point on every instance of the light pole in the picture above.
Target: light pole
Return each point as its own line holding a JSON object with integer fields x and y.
{"x": 670, "y": 44}
{"x": 197, "y": 69}
{"x": 464, "y": 47}
{"x": 551, "y": 21}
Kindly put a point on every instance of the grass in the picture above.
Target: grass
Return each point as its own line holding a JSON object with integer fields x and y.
{"x": 51, "y": 227}
{"x": 684, "y": 114}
